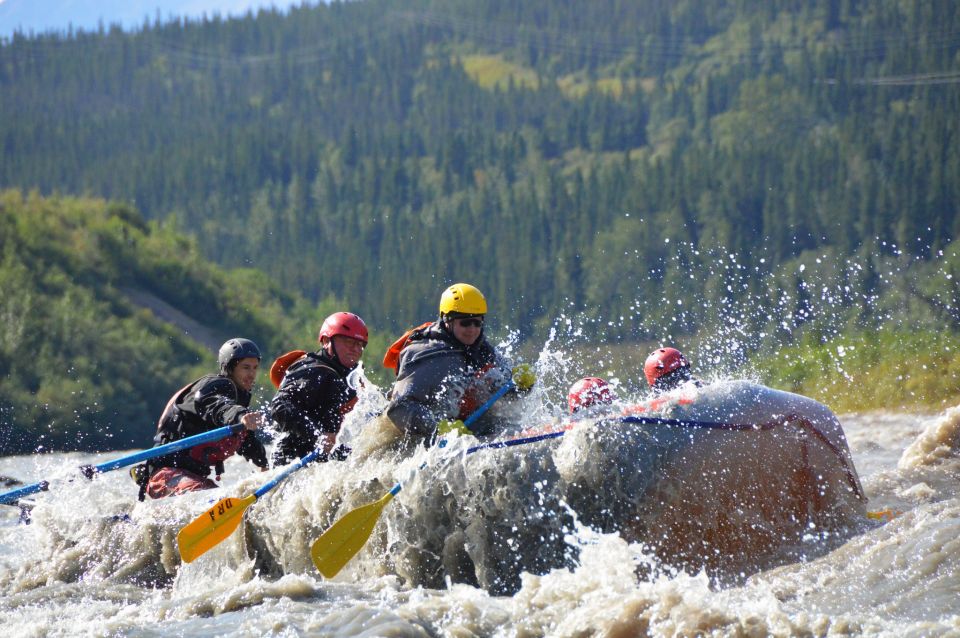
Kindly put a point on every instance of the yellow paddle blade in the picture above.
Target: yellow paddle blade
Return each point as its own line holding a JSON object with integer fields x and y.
{"x": 211, "y": 527}
{"x": 346, "y": 537}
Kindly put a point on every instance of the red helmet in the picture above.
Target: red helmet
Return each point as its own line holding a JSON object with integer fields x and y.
{"x": 345, "y": 324}
{"x": 662, "y": 362}
{"x": 589, "y": 391}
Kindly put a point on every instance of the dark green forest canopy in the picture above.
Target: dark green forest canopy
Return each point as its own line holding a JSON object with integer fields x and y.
{"x": 376, "y": 150}
{"x": 744, "y": 177}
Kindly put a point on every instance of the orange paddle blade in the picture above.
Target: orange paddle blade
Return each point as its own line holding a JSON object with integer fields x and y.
{"x": 212, "y": 527}
{"x": 346, "y": 537}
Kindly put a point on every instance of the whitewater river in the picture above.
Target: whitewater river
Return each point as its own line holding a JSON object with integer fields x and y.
{"x": 94, "y": 562}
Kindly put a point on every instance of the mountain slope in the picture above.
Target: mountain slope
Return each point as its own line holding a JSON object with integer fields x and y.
{"x": 85, "y": 360}
{"x": 744, "y": 178}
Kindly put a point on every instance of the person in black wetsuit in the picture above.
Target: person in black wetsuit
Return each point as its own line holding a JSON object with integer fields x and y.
{"x": 210, "y": 402}
{"x": 315, "y": 395}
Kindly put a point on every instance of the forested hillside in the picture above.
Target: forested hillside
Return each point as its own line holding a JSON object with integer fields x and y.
{"x": 84, "y": 365}
{"x": 547, "y": 151}
{"x": 776, "y": 173}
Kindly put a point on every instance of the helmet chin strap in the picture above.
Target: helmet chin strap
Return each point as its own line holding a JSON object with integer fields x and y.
{"x": 335, "y": 355}
{"x": 332, "y": 350}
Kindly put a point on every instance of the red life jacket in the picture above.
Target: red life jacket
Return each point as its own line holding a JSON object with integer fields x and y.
{"x": 206, "y": 453}
{"x": 218, "y": 451}
{"x": 473, "y": 397}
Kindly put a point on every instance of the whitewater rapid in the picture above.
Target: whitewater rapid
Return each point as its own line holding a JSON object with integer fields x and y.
{"x": 93, "y": 562}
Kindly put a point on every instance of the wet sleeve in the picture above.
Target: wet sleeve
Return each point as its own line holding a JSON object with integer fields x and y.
{"x": 423, "y": 395}
{"x": 289, "y": 408}
{"x": 252, "y": 449}
{"x": 311, "y": 402}
{"x": 332, "y": 394}
{"x": 216, "y": 405}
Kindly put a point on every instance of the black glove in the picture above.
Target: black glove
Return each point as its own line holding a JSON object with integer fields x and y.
{"x": 339, "y": 453}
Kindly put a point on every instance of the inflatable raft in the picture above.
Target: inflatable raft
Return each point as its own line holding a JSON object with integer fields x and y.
{"x": 731, "y": 477}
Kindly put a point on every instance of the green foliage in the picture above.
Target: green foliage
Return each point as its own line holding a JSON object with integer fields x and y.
{"x": 884, "y": 369}
{"x": 331, "y": 148}
{"x": 84, "y": 365}
{"x": 492, "y": 71}
{"x": 738, "y": 176}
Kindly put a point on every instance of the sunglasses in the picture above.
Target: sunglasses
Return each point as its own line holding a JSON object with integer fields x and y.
{"x": 470, "y": 322}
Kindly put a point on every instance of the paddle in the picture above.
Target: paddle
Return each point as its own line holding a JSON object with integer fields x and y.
{"x": 92, "y": 470}
{"x": 336, "y": 546}
{"x": 218, "y": 522}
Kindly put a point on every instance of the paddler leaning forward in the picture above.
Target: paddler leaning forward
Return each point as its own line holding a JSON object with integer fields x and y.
{"x": 446, "y": 369}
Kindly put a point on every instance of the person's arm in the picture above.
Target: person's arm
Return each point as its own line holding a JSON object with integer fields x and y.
{"x": 294, "y": 406}
{"x": 412, "y": 416}
{"x": 332, "y": 395}
{"x": 215, "y": 403}
{"x": 423, "y": 394}
{"x": 252, "y": 450}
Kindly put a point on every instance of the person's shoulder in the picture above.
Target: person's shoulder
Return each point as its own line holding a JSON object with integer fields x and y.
{"x": 303, "y": 365}
{"x": 425, "y": 349}
{"x": 312, "y": 367}
{"x": 215, "y": 384}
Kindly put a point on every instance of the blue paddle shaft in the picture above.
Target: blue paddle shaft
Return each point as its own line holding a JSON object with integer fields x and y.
{"x": 26, "y": 490}
{"x": 136, "y": 457}
{"x": 470, "y": 420}
{"x": 269, "y": 485}
{"x": 167, "y": 448}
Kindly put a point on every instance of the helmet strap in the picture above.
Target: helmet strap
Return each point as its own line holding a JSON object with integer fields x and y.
{"x": 331, "y": 350}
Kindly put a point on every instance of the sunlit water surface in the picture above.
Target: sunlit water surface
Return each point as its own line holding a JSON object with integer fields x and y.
{"x": 93, "y": 562}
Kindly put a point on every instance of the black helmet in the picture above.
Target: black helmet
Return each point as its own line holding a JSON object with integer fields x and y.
{"x": 235, "y": 349}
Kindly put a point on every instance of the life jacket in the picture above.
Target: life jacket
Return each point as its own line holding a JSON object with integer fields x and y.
{"x": 473, "y": 396}
{"x": 392, "y": 357}
{"x": 280, "y": 365}
{"x": 216, "y": 452}
{"x": 174, "y": 425}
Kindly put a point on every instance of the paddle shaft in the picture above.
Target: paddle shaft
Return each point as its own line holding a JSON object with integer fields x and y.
{"x": 167, "y": 448}
{"x": 26, "y": 490}
{"x": 131, "y": 459}
{"x": 467, "y": 422}
{"x": 470, "y": 420}
{"x": 269, "y": 485}
{"x": 347, "y": 536}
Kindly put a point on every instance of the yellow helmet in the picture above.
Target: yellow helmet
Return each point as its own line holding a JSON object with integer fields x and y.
{"x": 462, "y": 299}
